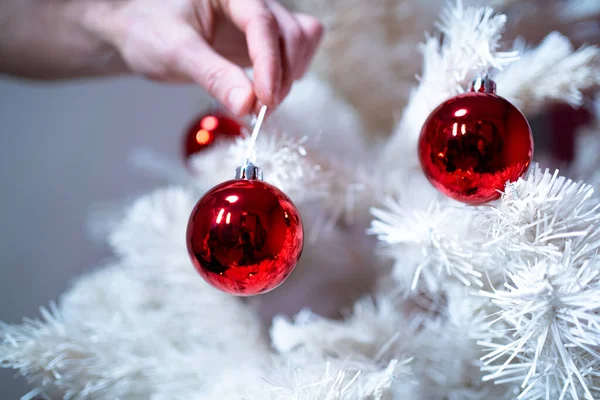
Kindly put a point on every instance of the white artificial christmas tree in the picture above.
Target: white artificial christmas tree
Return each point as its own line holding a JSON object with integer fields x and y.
{"x": 500, "y": 301}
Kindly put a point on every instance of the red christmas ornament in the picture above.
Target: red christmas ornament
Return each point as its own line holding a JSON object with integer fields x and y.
{"x": 245, "y": 236}
{"x": 472, "y": 144}
{"x": 206, "y": 128}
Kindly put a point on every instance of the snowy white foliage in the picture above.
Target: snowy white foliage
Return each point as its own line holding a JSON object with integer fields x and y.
{"x": 333, "y": 123}
{"x": 153, "y": 231}
{"x": 282, "y": 157}
{"x": 430, "y": 244}
{"x": 500, "y": 301}
{"x": 551, "y": 71}
{"x": 549, "y": 328}
{"x": 544, "y": 332}
{"x": 539, "y": 214}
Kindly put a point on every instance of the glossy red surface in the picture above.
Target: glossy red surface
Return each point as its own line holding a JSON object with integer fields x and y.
{"x": 245, "y": 237}
{"x": 472, "y": 144}
{"x": 206, "y": 129}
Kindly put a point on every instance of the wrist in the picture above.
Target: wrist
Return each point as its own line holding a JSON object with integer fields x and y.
{"x": 55, "y": 39}
{"x": 96, "y": 17}
{"x": 97, "y": 22}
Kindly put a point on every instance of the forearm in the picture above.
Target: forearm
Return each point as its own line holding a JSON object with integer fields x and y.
{"x": 53, "y": 39}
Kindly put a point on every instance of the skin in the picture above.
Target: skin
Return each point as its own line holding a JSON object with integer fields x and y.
{"x": 208, "y": 42}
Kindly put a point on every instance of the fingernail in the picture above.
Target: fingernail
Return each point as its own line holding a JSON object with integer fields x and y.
{"x": 237, "y": 99}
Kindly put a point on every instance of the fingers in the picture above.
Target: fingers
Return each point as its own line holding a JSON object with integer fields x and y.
{"x": 300, "y": 34}
{"x": 224, "y": 80}
{"x": 280, "y": 44}
{"x": 256, "y": 20}
{"x": 294, "y": 46}
{"x": 313, "y": 32}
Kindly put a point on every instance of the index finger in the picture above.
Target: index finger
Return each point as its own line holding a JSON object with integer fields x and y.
{"x": 255, "y": 19}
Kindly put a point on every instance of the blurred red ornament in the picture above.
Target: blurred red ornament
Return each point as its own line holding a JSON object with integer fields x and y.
{"x": 472, "y": 144}
{"x": 206, "y": 128}
{"x": 245, "y": 236}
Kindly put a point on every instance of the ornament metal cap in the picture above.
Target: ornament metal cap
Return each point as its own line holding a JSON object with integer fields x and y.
{"x": 483, "y": 85}
{"x": 248, "y": 171}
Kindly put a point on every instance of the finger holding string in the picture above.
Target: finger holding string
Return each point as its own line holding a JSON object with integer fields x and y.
{"x": 256, "y": 20}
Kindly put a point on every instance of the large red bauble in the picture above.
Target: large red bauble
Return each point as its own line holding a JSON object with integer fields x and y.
{"x": 245, "y": 237}
{"x": 205, "y": 129}
{"x": 474, "y": 143}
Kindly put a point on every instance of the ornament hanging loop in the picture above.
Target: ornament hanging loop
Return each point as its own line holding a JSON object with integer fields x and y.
{"x": 248, "y": 170}
{"x": 255, "y": 131}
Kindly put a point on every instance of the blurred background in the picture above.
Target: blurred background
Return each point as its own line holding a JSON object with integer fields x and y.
{"x": 64, "y": 152}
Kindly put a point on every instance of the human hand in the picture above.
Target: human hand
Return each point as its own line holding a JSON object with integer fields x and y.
{"x": 210, "y": 41}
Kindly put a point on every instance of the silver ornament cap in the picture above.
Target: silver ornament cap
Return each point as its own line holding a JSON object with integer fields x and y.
{"x": 248, "y": 171}
{"x": 483, "y": 85}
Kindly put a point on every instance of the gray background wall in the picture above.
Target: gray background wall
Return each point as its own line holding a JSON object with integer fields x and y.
{"x": 64, "y": 148}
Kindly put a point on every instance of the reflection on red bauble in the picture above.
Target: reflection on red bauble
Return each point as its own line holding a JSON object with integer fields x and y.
{"x": 206, "y": 129}
{"x": 472, "y": 144}
{"x": 245, "y": 237}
